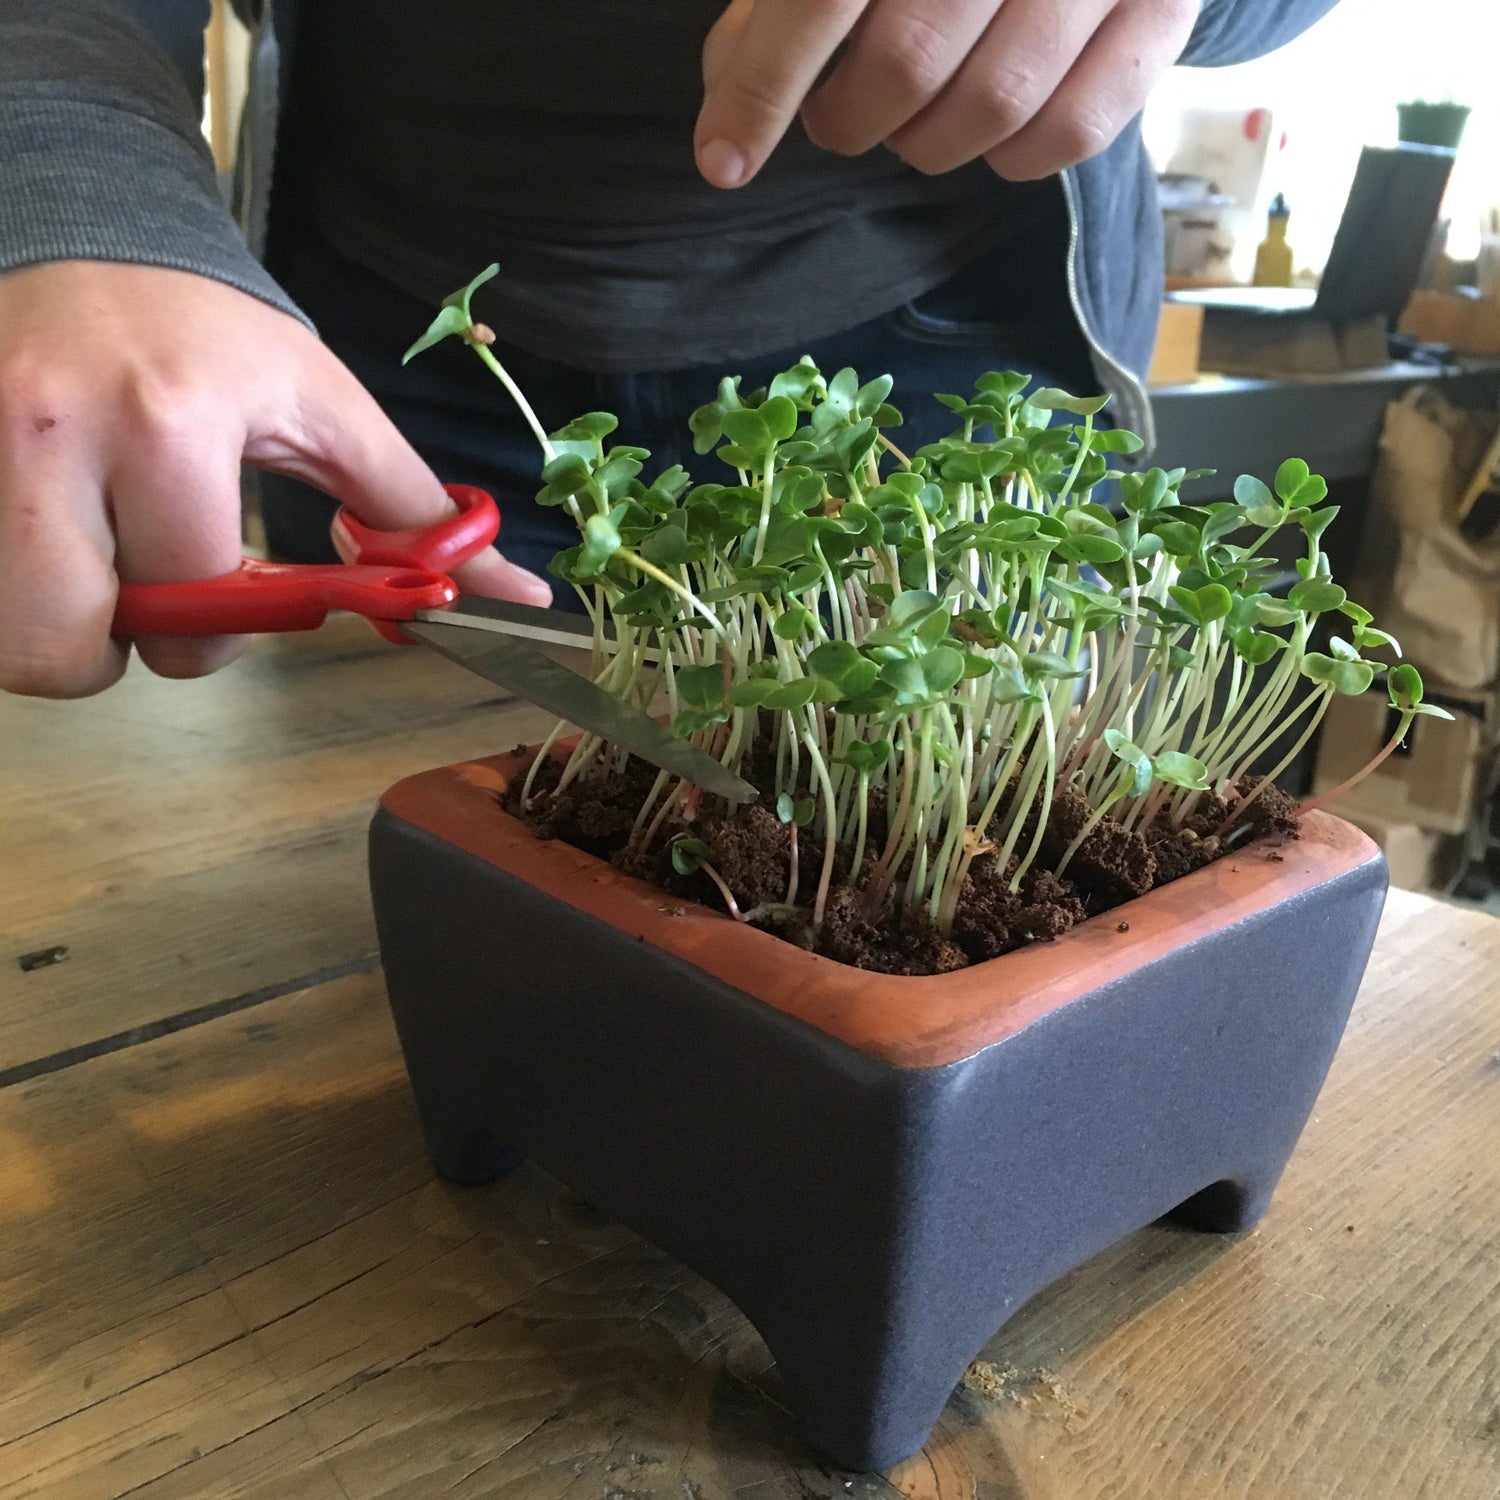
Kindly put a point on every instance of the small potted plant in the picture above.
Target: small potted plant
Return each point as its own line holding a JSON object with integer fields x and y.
{"x": 1013, "y": 954}
{"x": 1425, "y": 122}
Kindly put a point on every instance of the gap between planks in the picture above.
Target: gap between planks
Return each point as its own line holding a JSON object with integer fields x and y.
{"x": 182, "y": 1020}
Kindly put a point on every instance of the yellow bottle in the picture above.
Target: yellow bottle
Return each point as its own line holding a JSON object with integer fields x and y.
{"x": 1273, "y": 258}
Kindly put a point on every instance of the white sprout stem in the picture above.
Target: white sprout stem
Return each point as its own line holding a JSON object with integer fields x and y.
{"x": 516, "y": 395}
{"x": 1320, "y": 699}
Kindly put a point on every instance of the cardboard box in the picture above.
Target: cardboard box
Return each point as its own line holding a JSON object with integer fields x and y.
{"x": 1470, "y": 325}
{"x": 1419, "y": 858}
{"x": 1433, "y": 781}
{"x": 1179, "y": 335}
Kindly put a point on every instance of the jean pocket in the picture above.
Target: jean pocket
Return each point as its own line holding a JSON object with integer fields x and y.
{"x": 913, "y": 321}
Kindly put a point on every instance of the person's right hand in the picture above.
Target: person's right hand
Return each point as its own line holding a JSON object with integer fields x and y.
{"x": 129, "y": 396}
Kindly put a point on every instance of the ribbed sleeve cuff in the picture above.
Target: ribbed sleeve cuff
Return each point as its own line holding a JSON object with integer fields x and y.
{"x": 86, "y": 180}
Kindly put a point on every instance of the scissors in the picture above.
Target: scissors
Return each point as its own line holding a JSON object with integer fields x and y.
{"x": 399, "y": 582}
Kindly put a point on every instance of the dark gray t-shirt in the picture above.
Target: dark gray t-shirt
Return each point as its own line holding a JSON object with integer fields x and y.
{"x": 555, "y": 137}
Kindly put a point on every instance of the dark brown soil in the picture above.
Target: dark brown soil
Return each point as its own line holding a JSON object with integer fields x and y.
{"x": 750, "y": 848}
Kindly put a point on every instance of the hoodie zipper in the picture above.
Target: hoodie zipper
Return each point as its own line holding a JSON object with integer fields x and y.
{"x": 1121, "y": 383}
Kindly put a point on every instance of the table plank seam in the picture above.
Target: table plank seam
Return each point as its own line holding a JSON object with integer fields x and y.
{"x": 183, "y": 1020}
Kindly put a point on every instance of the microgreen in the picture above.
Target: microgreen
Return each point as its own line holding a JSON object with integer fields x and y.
{"x": 953, "y": 636}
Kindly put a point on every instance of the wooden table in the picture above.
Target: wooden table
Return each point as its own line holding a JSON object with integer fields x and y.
{"x": 226, "y": 1269}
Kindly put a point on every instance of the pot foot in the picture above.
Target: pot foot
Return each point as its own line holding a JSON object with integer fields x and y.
{"x": 472, "y": 1158}
{"x": 861, "y": 1413}
{"x": 1226, "y": 1206}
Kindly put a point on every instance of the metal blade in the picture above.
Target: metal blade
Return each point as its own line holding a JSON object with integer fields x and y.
{"x": 528, "y": 673}
{"x": 553, "y": 627}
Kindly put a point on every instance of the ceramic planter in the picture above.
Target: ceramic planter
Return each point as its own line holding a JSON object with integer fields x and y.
{"x": 879, "y": 1171}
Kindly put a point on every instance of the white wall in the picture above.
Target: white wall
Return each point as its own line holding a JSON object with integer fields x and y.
{"x": 1335, "y": 89}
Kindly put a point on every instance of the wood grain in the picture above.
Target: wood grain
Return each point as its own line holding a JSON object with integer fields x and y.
{"x": 191, "y": 841}
{"x": 226, "y": 1270}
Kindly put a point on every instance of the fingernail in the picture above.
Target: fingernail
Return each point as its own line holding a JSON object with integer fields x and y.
{"x": 722, "y": 164}
{"x": 540, "y": 590}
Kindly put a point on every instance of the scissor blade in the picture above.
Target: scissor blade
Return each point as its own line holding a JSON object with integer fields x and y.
{"x": 529, "y": 622}
{"x": 510, "y": 663}
{"x": 553, "y": 627}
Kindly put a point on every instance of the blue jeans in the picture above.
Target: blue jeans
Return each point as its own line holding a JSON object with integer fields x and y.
{"x": 1007, "y": 310}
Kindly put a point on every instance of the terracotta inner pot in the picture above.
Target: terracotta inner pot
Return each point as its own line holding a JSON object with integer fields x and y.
{"x": 923, "y": 1021}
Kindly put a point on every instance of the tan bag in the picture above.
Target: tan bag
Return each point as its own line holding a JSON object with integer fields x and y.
{"x": 1436, "y": 592}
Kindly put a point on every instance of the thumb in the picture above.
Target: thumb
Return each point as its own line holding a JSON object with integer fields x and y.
{"x": 337, "y": 438}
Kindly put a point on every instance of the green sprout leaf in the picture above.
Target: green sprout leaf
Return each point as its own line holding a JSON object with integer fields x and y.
{"x": 688, "y": 854}
{"x": 942, "y": 667}
{"x": 1042, "y": 664}
{"x": 799, "y": 383}
{"x": 1257, "y": 646}
{"x": 1117, "y": 440}
{"x": 691, "y": 721}
{"x": 1297, "y": 487}
{"x": 865, "y": 756}
{"x": 1203, "y": 605}
{"x": 1351, "y": 678}
{"x": 601, "y": 540}
{"x": 1134, "y": 757}
{"x": 797, "y": 811}
{"x": 843, "y": 393}
{"x": 767, "y": 692}
{"x": 449, "y": 321}
{"x": 701, "y": 687}
{"x": 1049, "y": 398}
{"x": 840, "y": 663}
{"x": 1316, "y": 596}
{"x": 453, "y": 317}
{"x": 1181, "y": 770}
{"x": 748, "y": 428}
{"x": 797, "y": 620}
{"x": 1404, "y": 683}
{"x": 1260, "y": 505}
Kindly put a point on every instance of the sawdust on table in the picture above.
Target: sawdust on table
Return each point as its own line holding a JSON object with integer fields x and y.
{"x": 1033, "y": 1389}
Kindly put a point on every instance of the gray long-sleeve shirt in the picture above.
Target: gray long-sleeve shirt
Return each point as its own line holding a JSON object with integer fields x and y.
{"x": 641, "y": 266}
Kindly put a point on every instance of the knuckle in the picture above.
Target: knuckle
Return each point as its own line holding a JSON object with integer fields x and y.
{"x": 30, "y": 389}
{"x": 756, "y": 97}
{"x": 1003, "y": 101}
{"x": 910, "y": 59}
{"x": 1079, "y": 132}
{"x": 832, "y": 130}
{"x": 166, "y": 406}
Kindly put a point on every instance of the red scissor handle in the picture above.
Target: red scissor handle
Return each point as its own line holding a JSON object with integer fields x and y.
{"x": 394, "y": 574}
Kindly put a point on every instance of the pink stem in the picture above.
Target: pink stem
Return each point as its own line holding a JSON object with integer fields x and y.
{"x": 1333, "y": 793}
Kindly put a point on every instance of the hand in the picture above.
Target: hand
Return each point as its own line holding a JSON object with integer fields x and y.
{"x": 129, "y": 395}
{"x": 1032, "y": 86}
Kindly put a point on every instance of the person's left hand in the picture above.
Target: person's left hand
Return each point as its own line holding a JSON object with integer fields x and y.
{"x": 1032, "y": 86}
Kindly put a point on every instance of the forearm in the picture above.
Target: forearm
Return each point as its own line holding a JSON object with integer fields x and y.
{"x": 101, "y": 154}
{"x": 1235, "y": 31}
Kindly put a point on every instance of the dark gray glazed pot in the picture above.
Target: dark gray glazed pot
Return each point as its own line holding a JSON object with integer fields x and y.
{"x": 878, "y": 1171}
